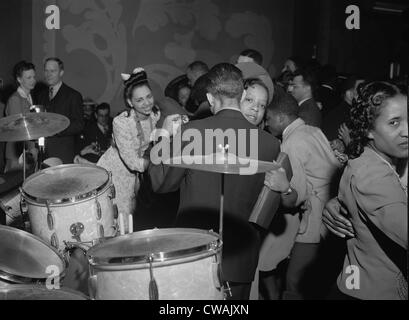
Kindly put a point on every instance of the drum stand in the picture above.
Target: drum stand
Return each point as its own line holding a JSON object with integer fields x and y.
{"x": 226, "y": 286}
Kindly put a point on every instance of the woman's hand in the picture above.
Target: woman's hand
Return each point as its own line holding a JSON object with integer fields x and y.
{"x": 89, "y": 149}
{"x": 277, "y": 180}
{"x": 172, "y": 123}
{"x": 334, "y": 218}
{"x": 343, "y": 134}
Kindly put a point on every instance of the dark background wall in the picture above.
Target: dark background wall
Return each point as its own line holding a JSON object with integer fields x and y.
{"x": 15, "y": 36}
{"x": 100, "y": 39}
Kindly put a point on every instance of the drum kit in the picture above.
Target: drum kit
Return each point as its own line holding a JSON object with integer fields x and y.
{"x": 70, "y": 208}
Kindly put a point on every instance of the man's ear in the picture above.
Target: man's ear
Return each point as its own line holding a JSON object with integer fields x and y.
{"x": 210, "y": 98}
{"x": 349, "y": 94}
{"x": 243, "y": 96}
{"x": 61, "y": 73}
{"x": 370, "y": 135}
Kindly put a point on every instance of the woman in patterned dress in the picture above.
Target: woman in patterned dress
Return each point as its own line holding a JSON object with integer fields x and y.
{"x": 131, "y": 138}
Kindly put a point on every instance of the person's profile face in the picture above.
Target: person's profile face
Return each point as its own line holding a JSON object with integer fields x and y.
{"x": 289, "y": 65}
{"x": 183, "y": 95}
{"x": 390, "y": 129}
{"x": 254, "y": 104}
{"x": 52, "y": 73}
{"x": 273, "y": 123}
{"x": 142, "y": 100}
{"x": 297, "y": 88}
{"x": 27, "y": 80}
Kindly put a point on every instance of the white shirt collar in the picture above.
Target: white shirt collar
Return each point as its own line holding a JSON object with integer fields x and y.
{"x": 56, "y": 88}
{"x": 327, "y": 86}
{"x": 302, "y": 101}
{"x": 228, "y": 108}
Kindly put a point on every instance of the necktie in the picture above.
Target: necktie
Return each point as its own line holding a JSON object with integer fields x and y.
{"x": 51, "y": 93}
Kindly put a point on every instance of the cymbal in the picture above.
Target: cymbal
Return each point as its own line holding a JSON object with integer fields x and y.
{"x": 227, "y": 163}
{"x": 31, "y": 126}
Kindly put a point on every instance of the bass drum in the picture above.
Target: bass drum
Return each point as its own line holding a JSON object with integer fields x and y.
{"x": 70, "y": 204}
{"x": 165, "y": 264}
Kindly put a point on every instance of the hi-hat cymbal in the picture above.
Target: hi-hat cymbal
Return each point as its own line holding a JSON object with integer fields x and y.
{"x": 31, "y": 126}
{"x": 227, "y": 163}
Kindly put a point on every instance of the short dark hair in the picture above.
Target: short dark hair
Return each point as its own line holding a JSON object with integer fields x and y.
{"x": 225, "y": 80}
{"x": 284, "y": 105}
{"x": 198, "y": 66}
{"x": 103, "y": 106}
{"x": 254, "y": 54}
{"x": 255, "y": 81}
{"x": 20, "y": 67}
{"x": 327, "y": 74}
{"x": 309, "y": 77}
{"x": 55, "y": 59}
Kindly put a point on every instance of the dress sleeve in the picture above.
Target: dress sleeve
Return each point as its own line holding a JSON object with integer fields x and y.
{"x": 127, "y": 142}
{"x": 380, "y": 195}
{"x": 13, "y": 106}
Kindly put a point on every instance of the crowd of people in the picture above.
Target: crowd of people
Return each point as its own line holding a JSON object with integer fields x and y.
{"x": 345, "y": 205}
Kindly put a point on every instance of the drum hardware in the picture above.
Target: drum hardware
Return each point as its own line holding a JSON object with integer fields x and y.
{"x": 76, "y": 229}
{"x": 50, "y": 219}
{"x": 54, "y": 240}
{"x": 101, "y": 231}
{"x": 153, "y": 287}
{"x": 99, "y": 210}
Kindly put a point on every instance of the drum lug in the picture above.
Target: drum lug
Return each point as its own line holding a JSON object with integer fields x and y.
{"x": 50, "y": 219}
{"x": 76, "y": 229}
{"x": 54, "y": 240}
{"x": 92, "y": 286}
{"x": 115, "y": 211}
{"x": 112, "y": 193}
{"x": 153, "y": 287}
{"x": 99, "y": 211}
{"x": 101, "y": 231}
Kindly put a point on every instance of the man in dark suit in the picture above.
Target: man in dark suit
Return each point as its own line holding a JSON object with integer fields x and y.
{"x": 302, "y": 87}
{"x": 60, "y": 98}
{"x": 326, "y": 93}
{"x": 200, "y": 191}
{"x": 96, "y": 137}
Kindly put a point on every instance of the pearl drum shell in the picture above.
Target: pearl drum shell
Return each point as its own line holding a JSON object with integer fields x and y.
{"x": 182, "y": 268}
{"x": 70, "y": 203}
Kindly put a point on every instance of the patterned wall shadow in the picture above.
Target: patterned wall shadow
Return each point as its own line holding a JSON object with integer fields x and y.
{"x": 99, "y": 39}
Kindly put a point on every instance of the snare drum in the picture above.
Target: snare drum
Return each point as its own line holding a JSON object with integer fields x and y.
{"x": 26, "y": 259}
{"x": 70, "y": 203}
{"x": 165, "y": 264}
{"x": 35, "y": 292}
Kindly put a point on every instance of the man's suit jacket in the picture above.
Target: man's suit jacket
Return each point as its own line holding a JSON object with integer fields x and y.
{"x": 328, "y": 98}
{"x": 67, "y": 102}
{"x": 310, "y": 113}
{"x": 200, "y": 195}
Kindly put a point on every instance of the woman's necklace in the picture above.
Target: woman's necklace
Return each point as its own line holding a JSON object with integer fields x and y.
{"x": 404, "y": 187}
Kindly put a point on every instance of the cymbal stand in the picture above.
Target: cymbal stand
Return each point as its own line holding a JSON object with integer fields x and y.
{"x": 226, "y": 284}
